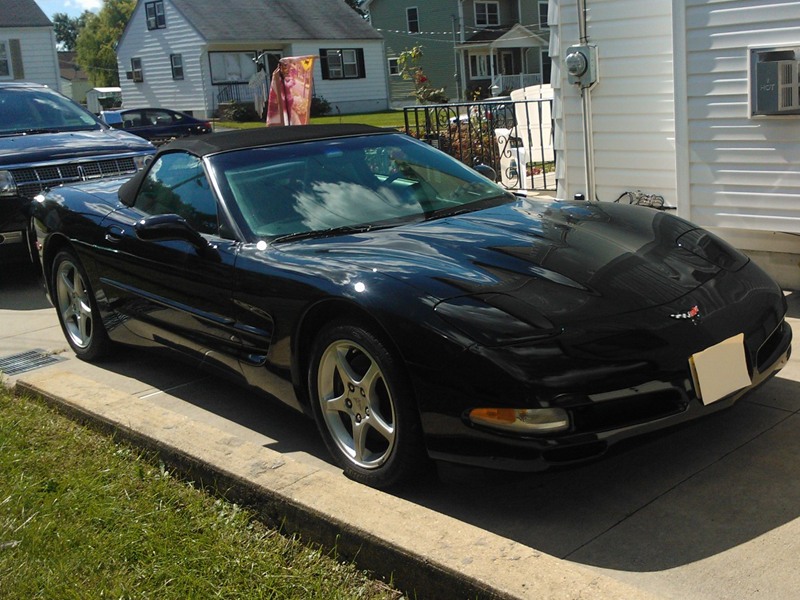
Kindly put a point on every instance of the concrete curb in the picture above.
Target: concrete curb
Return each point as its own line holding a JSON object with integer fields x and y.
{"x": 427, "y": 554}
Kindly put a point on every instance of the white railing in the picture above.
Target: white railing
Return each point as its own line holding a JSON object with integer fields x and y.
{"x": 515, "y": 82}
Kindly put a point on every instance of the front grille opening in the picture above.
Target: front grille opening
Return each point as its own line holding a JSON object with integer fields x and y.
{"x": 575, "y": 453}
{"x": 26, "y": 361}
{"x": 766, "y": 354}
{"x": 34, "y": 180}
{"x": 631, "y": 410}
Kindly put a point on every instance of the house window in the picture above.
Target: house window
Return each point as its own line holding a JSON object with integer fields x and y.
{"x": 480, "y": 66}
{"x": 412, "y": 19}
{"x": 177, "y": 66}
{"x": 394, "y": 65}
{"x": 5, "y": 60}
{"x": 155, "y": 15}
{"x": 232, "y": 67}
{"x": 344, "y": 63}
{"x": 136, "y": 70}
{"x": 543, "y": 7}
{"x": 487, "y": 14}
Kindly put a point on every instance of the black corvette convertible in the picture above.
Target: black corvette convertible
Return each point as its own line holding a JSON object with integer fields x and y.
{"x": 415, "y": 308}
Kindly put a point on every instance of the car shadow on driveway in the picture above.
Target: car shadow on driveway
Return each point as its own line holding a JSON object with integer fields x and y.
{"x": 651, "y": 504}
{"x": 21, "y": 288}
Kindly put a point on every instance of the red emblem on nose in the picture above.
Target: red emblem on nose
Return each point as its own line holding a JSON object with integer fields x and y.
{"x": 693, "y": 314}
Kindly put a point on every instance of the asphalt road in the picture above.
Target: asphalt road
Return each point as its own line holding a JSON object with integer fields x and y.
{"x": 707, "y": 511}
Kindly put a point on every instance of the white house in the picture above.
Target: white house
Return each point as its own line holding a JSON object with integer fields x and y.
{"x": 27, "y": 44}
{"x": 695, "y": 100}
{"x": 191, "y": 55}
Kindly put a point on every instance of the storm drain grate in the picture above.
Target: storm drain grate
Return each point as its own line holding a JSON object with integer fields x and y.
{"x": 26, "y": 361}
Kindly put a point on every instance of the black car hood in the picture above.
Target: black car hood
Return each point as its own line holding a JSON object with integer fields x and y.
{"x": 46, "y": 147}
{"x": 561, "y": 258}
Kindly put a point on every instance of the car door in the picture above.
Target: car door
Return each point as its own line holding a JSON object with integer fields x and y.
{"x": 168, "y": 267}
{"x": 163, "y": 125}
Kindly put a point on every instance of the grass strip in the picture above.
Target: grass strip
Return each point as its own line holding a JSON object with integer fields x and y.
{"x": 82, "y": 516}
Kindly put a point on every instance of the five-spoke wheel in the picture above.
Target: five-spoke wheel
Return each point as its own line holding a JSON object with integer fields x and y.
{"x": 364, "y": 406}
{"x": 76, "y": 309}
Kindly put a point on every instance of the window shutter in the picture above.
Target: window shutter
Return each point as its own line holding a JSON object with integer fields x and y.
{"x": 362, "y": 72}
{"x": 16, "y": 59}
{"x": 323, "y": 63}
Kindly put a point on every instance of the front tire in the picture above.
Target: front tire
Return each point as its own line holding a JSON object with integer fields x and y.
{"x": 364, "y": 406}
{"x": 77, "y": 310}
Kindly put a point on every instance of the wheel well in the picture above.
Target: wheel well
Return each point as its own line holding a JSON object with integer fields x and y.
{"x": 315, "y": 319}
{"x": 55, "y": 244}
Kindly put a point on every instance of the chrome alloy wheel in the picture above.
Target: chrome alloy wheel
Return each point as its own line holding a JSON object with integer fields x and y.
{"x": 357, "y": 406}
{"x": 74, "y": 304}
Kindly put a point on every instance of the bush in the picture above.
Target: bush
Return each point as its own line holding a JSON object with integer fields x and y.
{"x": 319, "y": 106}
{"x": 239, "y": 112}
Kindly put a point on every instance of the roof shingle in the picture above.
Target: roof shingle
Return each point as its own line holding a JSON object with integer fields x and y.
{"x": 23, "y": 13}
{"x": 237, "y": 20}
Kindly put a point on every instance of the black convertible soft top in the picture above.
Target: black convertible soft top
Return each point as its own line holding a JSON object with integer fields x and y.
{"x": 202, "y": 145}
{"x": 268, "y": 136}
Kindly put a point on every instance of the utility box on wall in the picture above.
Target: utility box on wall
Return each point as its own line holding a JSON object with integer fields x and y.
{"x": 775, "y": 81}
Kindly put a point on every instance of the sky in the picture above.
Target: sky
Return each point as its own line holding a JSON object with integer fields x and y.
{"x": 73, "y": 8}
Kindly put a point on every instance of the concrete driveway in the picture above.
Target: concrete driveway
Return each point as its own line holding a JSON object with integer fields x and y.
{"x": 709, "y": 510}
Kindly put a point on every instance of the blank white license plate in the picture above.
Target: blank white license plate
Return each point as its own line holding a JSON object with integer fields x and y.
{"x": 720, "y": 370}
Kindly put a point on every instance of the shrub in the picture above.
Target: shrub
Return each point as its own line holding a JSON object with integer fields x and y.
{"x": 319, "y": 106}
{"x": 239, "y": 112}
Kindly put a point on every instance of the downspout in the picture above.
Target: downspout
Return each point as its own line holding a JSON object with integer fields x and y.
{"x": 462, "y": 55}
{"x": 586, "y": 106}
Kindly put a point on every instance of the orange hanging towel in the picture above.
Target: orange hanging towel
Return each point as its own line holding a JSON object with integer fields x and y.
{"x": 290, "y": 91}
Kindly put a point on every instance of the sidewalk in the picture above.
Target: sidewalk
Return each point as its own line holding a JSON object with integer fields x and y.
{"x": 711, "y": 510}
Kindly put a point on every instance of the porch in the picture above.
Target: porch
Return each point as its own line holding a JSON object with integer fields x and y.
{"x": 498, "y": 61}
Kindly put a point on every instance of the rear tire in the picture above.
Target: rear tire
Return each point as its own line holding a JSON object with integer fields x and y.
{"x": 77, "y": 310}
{"x": 364, "y": 406}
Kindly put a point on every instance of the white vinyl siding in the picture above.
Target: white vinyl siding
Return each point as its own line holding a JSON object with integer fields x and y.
{"x": 742, "y": 173}
{"x": 159, "y": 88}
{"x": 632, "y": 105}
{"x": 36, "y": 61}
{"x": 363, "y": 94}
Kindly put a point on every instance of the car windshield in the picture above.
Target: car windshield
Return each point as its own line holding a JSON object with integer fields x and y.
{"x": 352, "y": 183}
{"x": 40, "y": 110}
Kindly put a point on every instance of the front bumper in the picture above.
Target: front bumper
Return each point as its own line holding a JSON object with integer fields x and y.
{"x": 15, "y": 238}
{"x": 668, "y": 403}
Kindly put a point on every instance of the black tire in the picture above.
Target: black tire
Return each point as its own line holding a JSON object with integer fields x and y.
{"x": 76, "y": 308}
{"x": 364, "y": 407}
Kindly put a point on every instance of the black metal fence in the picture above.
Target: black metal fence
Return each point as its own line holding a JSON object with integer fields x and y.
{"x": 515, "y": 138}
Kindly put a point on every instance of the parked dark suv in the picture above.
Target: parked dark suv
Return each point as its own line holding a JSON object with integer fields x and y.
{"x": 46, "y": 139}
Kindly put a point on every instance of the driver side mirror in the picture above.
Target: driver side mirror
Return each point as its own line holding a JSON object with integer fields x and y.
{"x": 160, "y": 228}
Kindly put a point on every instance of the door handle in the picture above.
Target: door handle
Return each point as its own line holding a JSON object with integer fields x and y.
{"x": 114, "y": 234}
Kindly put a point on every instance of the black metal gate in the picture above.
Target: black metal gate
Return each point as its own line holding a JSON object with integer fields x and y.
{"x": 512, "y": 137}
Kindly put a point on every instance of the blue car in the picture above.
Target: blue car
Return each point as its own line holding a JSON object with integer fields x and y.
{"x": 159, "y": 125}
{"x": 46, "y": 140}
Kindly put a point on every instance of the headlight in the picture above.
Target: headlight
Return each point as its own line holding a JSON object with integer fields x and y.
{"x": 715, "y": 250}
{"x": 521, "y": 420}
{"x": 8, "y": 187}
{"x": 142, "y": 160}
{"x": 496, "y": 319}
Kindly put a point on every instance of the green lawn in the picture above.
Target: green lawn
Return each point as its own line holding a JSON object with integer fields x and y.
{"x": 82, "y": 516}
{"x": 389, "y": 118}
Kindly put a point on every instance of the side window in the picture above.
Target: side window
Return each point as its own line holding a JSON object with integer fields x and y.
{"x": 158, "y": 117}
{"x": 177, "y": 184}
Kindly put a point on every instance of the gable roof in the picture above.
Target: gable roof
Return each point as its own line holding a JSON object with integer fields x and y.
{"x": 236, "y": 20}
{"x": 23, "y": 13}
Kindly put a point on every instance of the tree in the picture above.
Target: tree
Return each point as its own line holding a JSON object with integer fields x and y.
{"x": 68, "y": 28}
{"x": 97, "y": 41}
{"x": 355, "y": 4}
{"x": 410, "y": 70}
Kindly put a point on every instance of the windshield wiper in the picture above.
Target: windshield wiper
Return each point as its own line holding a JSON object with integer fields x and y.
{"x": 474, "y": 206}
{"x": 36, "y": 130}
{"x": 299, "y": 235}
